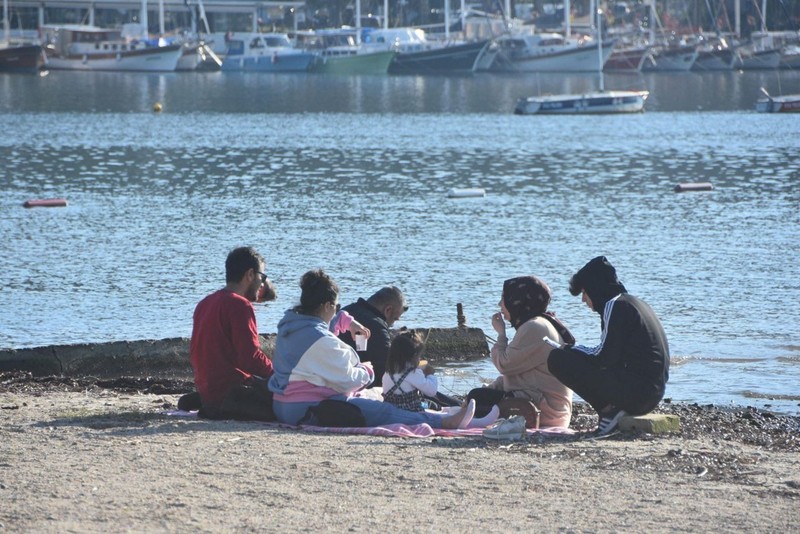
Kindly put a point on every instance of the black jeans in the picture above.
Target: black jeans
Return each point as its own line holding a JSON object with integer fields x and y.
{"x": 603, "y": 387}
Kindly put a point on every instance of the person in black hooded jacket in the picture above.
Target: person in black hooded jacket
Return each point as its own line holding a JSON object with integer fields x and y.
{"x": 628, "y": 371}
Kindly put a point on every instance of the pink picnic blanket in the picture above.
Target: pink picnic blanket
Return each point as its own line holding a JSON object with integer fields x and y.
{"x": 396, "y": 430}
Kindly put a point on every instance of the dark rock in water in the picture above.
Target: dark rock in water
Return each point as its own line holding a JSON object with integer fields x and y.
{"x": 169, "y": 358}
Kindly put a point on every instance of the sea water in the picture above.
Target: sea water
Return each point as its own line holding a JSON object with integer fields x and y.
{"x": 351, "y": 174}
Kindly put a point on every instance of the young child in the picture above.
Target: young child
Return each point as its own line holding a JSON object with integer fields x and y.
{"x": 404, "y": 383}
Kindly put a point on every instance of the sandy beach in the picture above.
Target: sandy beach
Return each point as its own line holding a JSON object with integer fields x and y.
{"x": 76, "y": 456}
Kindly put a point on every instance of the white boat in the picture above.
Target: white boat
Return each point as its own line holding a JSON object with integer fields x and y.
{"x": 83, "y": 47}
{"x": 671, "y": 58}
{"x": 760, "y": 52}
{"x": 264, "y": 52}
{"x": 597, "y": 102}
{"x": 714, "y": 54}
{"x": 550, "y": 52}
{"x": 778, "y": 104}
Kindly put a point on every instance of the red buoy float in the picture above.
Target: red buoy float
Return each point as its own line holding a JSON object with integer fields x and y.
{"x": 45, "y": 203}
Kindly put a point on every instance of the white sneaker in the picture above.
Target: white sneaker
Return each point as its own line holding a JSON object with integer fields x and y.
{"x": 511, "y": 428}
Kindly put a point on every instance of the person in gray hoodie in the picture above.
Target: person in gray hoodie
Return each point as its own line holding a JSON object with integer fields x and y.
{"x": 628, "y": 371}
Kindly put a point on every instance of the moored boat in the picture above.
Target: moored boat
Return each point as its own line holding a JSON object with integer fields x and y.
{"x": 416, "y": 54}
{"x": 83, "y": 47}
{"x": 627, "y": 59}
{"x": 341, "y": 51}
{"x": 264, "y": 52}
{"x": 671, "y": 58}
{"x": 714, "y": 55}
{"x": 549, "y": 52}
{"x": 23, "y": 58}
{"x": 598, "y": 102}
{"x": 778, "y": 104}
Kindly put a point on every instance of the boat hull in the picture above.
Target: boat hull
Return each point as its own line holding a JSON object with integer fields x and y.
{"x": 464, "y": 57}
{"x": 367, "y": 63}
{"x": 626, "y": 60}
{"x": 668, "y": 59}
{"x": 608, "y": 102}
{"x": 765, "y": 59}
{"x": 715, "y": 60}
{"x": 577, "y": 59}
{"x": 779, "y": 104}
{"x": 24, "y": 59}
{"x": 161, "y": 59}
{"x": 277, "y": 62}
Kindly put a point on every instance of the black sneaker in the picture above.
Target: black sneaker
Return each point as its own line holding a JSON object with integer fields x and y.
{"x": 609, "y": 421}
{"x": 190, "y": 402}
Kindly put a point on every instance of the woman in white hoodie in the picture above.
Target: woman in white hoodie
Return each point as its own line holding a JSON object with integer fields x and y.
{"x": 311, "y": 365}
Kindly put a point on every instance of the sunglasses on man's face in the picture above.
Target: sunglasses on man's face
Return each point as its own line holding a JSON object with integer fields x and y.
{"x": 263, "y": 277}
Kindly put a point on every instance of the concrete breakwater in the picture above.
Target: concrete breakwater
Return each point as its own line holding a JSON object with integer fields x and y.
{"x": 169, "y": 358}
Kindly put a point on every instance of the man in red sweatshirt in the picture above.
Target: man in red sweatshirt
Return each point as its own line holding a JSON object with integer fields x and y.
{"x": 229, "y": 366}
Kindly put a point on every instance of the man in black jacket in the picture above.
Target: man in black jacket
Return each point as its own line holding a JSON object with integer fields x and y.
{"x": 628, "y": 371}
{"x": 378, "y": 313}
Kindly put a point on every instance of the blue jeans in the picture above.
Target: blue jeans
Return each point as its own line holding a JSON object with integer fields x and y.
{"x": 375, "y": 412}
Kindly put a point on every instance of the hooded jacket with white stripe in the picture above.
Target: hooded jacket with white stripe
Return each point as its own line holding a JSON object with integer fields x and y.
{"x": 632, "y": 336}
{"x": 311, "y": 364}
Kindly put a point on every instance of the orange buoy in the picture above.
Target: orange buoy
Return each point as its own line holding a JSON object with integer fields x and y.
{"x": 45, "y": 203}
{"x": 696, "y": 186}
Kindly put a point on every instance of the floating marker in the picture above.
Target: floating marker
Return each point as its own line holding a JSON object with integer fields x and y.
{"x": 157, "y": 107}
{"x": 45, "y": 203}
{"x": 467, "y": 192}
{"x": 696, "y": 186}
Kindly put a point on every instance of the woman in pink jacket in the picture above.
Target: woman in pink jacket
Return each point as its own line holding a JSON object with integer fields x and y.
{"x": 522, "y": 362}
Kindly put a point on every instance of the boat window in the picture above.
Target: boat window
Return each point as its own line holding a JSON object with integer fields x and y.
{"x": 277, "y": 41}
{"x": 256, "y": 43}
{"x": 113, "y": 46}
{"x": 551, "y": 42}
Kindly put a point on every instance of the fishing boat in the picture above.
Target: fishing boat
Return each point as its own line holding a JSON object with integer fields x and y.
{"x": 84, "y": 47}
{"x": 597, "y": 102}
{"x": 23, "y": 57}
{"x": 416, "y": 54}
{"x": 778, "y": 104}
{"x": 264, "y": 52}
{"x": 342, "y": 51}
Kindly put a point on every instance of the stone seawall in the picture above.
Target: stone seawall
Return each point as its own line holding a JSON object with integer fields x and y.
{"x": 169, "y": 358}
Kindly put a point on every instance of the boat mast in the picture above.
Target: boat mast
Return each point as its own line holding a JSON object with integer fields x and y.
{"x": 447, "y": 20}
{"x": 143, "y": 19}
{"x": 600, "y": 47}
{"x": 6, "y": 24}
{"x": 358, "y": 22}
